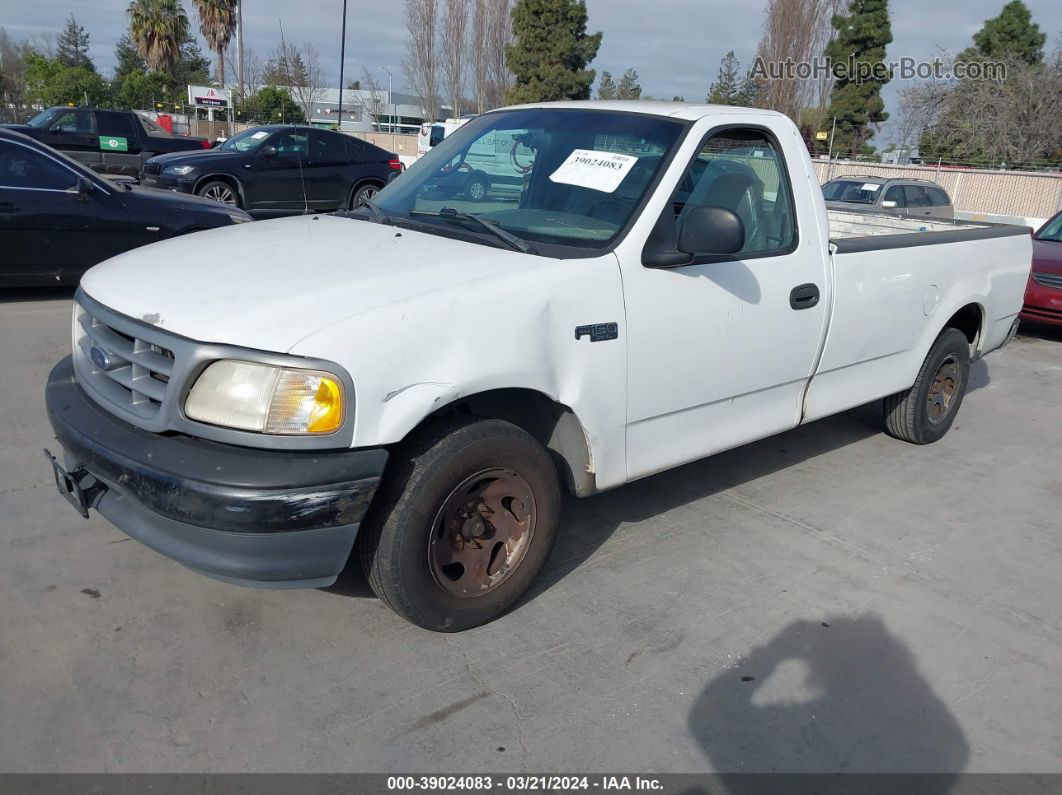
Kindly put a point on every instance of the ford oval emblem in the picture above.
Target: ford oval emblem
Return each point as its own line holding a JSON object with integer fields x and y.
{"x": 99, "y": 357}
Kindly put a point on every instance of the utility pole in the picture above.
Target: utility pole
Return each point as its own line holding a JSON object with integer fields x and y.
{"x": 390, "y": 108}
{"x": 239, "y": 47}
{"x": 829, "y": 156}
{"x": 342, "y": 58}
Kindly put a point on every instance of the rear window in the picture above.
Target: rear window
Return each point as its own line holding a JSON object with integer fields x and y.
{"x": 856, "y": 191}
{"x": 116, "y": 124}
{"x": 938, "y": 197}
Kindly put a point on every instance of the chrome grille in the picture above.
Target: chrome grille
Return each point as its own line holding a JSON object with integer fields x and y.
{"x": 128, "y": 371}
{"x": 1048, "y": 280}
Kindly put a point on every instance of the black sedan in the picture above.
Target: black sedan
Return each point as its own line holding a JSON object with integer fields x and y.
{"x": 58, "y": 219}
{"x": 279, "y": 170}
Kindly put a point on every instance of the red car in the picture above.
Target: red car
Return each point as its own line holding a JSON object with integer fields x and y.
{"x": 1043, "y": 297}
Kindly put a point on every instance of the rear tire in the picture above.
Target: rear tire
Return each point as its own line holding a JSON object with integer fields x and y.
{"x": 437, "y": 552}
{"x": 361, "y": 193}
{"x": 925, "y": 412}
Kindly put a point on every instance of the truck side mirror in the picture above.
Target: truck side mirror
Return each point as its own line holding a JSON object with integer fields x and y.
{"x": 711, "y": 230}
{"x": 269, "y": 151}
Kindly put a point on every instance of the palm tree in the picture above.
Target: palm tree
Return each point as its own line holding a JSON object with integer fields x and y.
{"x": 158, "y": 29}
{"x": 217, "y": 21}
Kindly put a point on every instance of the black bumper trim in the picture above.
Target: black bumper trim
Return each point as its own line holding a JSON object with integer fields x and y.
{"x": 207, "y": 484}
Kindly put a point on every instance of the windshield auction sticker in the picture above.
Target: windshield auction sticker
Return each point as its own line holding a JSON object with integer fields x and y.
{"x": 587, "y": 168}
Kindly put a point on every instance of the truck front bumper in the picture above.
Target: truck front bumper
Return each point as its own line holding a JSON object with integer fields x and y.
{"x": 265, "y": 518}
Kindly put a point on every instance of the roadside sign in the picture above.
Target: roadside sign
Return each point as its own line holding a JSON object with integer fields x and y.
{"x": 113, "y": 143}
{"x": 822, "y": 135}
{"x": 209, "y": 97}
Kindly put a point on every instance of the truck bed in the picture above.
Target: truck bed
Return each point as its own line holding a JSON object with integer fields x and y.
{"x": 852, "y": 232}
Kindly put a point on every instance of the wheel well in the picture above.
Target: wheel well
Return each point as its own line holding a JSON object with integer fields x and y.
{"x": 553, "y": 424}
{"x": 968, "y": 320}
{"x": 229, "y": 180}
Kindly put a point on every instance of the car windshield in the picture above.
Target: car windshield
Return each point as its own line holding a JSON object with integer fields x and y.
{"x": 246, "y": 141}
{"x": 44, "y": 118}
{"x": 853, "y": 191}
{"x": 566, "y": 177}
{"x": 1052, "y": 230}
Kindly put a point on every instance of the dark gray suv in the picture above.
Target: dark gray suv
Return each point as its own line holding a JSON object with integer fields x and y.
{"x": 914, "y": 197}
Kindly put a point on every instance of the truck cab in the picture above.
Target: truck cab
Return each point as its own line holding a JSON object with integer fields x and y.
{"x": 661, "y": 283}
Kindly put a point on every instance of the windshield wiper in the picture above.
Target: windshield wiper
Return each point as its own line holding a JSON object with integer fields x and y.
{"x": 376, "y": 215}
{"x": 511, "y": 240}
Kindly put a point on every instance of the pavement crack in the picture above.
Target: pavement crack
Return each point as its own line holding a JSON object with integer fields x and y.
{"x": 520, "y": 735}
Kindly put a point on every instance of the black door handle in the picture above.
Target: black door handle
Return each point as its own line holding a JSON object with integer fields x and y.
{"x": 8, "y": 207}
{"x": 804, "y": 297}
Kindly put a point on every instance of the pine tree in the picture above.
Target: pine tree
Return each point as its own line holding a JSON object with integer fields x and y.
{"x": 1012, "y": 34}
{"x": 628, "y": 86}
{"x": 725, "y": 90}
{"x": 73, "y": 46}
{"x": 606, "y": 89}
{"x": 859, "y": 46}
{"x": 550, "y": 51}
{"x": 127, "y": 58}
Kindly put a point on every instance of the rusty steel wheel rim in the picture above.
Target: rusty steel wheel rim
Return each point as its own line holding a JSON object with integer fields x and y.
{"x": 942, "y": 391}
{"x": 482, "y": 532}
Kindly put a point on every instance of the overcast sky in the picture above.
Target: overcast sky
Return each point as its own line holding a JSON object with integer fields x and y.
{"x": 675, "y": 45}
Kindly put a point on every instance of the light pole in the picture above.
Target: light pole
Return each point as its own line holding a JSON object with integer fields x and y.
{"x": 390, "y": 107}
{"x": 342, "y": 58}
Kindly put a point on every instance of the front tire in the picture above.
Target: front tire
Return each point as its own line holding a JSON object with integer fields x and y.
{"x": 219, "y": 191}
{"x": 477, "y": 186}
{"x": 466, "y": 520}
{"x": 925, "y": 412}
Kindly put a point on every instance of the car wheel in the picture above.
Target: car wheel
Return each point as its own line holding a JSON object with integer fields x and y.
{"x": 476, "y": 187}
{"x": 220, "y": 192}
{"x": 465, "y": 521}
{"x": 925, "y": 412}
{"x": 363, "y": 194}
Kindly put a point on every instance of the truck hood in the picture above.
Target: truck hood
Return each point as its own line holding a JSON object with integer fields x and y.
{"x": 269, "y": 284}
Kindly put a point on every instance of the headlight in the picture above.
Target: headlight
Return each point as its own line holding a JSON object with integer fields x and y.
{"x": 178, "y": 171}
{"x": 239, "y": 219}
{"x": 267, "y": 399}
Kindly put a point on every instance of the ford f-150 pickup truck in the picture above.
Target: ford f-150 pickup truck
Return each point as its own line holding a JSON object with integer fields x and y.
{"x": 417, "y": 381}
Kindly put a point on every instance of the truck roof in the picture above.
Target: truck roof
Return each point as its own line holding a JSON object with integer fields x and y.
{"x": 679, "y": 110}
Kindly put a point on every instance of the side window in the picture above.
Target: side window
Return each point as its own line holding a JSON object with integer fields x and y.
{"x": 22, "y": 167}
{"x": 356, "y": 149}
{"x": 938, "y": 197}
{"x": 292, "y": 144}
{"x": 75, "y": 120}
{"x": 916, "y": 196}
{"x": 743, "y": 171}
{"x": 117, "y": 124}
{"x": 437, "y": 135}
{"x": 895, "y": 194}
{"x": 329, "y": 147}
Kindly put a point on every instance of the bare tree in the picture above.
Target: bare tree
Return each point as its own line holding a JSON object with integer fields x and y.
{"x": 421, "y": 62}
{"x": 371, "y": 98}
{"x": 499, "y": 36}
{"x": 454, "y": 45}
{"x": 299, "y": 70}
{"x": 14, "y": 104}
{"x": 795, "y": 31}
{"x": 919, "y": 108}
{"x": 478, "y": 45}
{"x": 253, "y": 68}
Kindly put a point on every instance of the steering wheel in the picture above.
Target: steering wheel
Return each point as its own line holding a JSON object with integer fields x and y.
{"x": 616, "y": 207}
{"x": 520, "y": 167}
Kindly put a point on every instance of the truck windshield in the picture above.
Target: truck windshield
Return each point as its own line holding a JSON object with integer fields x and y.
{"x": 566, "y": 177}
{"x": 44, "y": 118}
{"x": 1052, "y": 230}
{"x": 855, "y": 191}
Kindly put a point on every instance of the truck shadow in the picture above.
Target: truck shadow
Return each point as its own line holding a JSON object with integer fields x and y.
{"x": 825, "y": 697}
{"x": 14, "y": 295}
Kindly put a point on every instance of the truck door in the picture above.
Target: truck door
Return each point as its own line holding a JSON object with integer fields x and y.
{"x": 75, "y": 134}
{"x": 720, "y": 350}
{"x": 120, "y": 142}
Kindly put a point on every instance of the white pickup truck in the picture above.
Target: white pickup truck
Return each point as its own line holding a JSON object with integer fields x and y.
{"x": 417, "y": 381}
